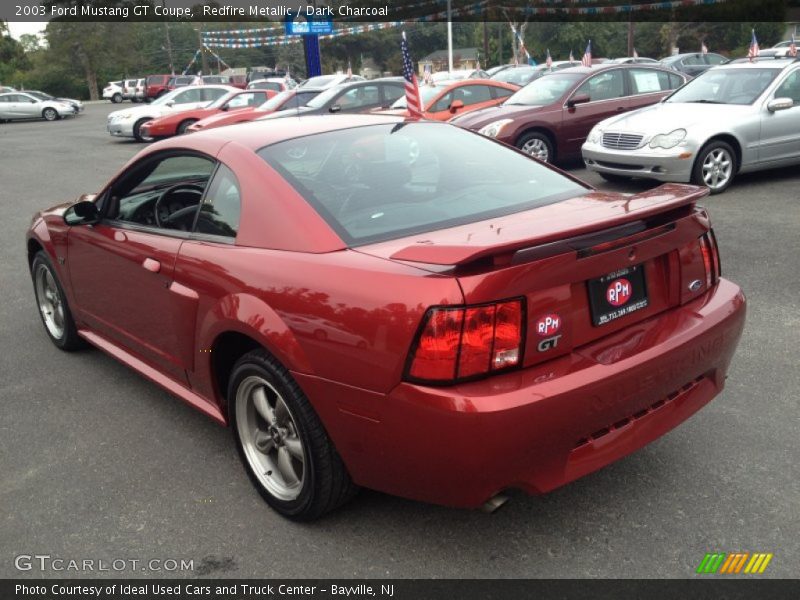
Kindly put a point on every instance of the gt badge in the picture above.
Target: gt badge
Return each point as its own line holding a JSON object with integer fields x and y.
{"x": 548, "y": 344}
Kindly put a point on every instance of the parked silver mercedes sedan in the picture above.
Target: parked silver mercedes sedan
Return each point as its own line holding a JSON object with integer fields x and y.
{"x": 731, "y": 119}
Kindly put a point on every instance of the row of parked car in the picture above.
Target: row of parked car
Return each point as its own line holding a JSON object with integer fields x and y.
{"x": 33, "y": 104}
{"x": 145, "y": 89}
{"x": 730, "y": 118}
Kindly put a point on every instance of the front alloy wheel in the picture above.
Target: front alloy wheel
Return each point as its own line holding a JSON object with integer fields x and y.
{"x": 715, "y": 167}
{"x": 536, "y": 145}
{"x": 50, "y": 114}
{"x": 52, "y": 304}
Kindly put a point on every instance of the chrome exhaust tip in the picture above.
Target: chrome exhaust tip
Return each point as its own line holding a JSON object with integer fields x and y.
{"x": 494, "y": 503}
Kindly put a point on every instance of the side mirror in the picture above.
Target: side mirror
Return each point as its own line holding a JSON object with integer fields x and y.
{"x": 224, "y": 107}
{"x": 578, "y": 99}
{"x": 456, "y": 105}
{"x": 335, "y": 108}
{"x": 779, "y": 104}
{"x": 169, "y": 103}
{"x": 82, "y": 213}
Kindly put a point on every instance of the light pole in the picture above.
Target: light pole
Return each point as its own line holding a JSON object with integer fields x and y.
{"x": 449, "y": 36}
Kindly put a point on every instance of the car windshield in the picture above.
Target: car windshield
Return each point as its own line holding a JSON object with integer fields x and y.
{"x": 518, "y": 76}
{"x": 426, "y": 92}
{"x": 545, "y": 90}
{"x": 386, "y": 181}
{"x": 166, "y": 97}
{"x": 40, "y": 95}
{"x": 276, "y": 101}
{"x": 320, "y": 81}
{"x": 324, "y": 97}
{"x": 726, "y": 86}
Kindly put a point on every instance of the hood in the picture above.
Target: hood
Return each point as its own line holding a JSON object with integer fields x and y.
{"x": 145, "y": 110}
{"x": 480, "y": 118}
{"x": 666, "y": 117}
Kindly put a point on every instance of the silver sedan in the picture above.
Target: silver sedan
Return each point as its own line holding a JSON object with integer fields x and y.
{"x": 21, "y": 105}
{"x": 731, "y": 119}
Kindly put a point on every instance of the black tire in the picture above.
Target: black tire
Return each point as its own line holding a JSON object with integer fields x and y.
{"x": 326, "y": 484}
{"x": 714, "y": 146}
{"x": 137, "y": 131}
{"x": 184, "y": 125}
{"x": 69, "y": 340}
{"x": 116, "y": 98}
{"x": 541, "y": 142}
{"x": 613, "y": 178}
{"x": 50, "y": 114}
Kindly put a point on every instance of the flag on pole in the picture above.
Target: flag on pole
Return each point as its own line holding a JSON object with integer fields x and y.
{"x": 427, "y": 75}
{"x": 752, "y": 53}
{"x": 703, "y": 47}
{"x": 349, "y": 69}
{"x": 549, "y": 60}
{"x": 586, "y": 61}
{"x": 793, "y": 48}
{"x": 635, "y": 54}
{"x": 571, "y": 57}
{"x": 412, "y": 89}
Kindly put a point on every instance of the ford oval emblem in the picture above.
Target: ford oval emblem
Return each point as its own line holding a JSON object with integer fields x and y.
{"x": 695, "y": 285}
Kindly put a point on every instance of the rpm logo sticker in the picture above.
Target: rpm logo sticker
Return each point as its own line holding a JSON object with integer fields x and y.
{"x": 548, "y": 324}
{"x": 619, "y": 292}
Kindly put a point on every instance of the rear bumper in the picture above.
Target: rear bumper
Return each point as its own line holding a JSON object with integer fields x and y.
{"x": 544, "y": 426}
{"x": 661, "y": 165}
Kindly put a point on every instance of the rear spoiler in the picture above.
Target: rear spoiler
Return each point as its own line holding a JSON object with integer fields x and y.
{"x": 637, "y": 217}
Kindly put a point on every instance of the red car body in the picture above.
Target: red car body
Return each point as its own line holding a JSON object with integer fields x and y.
{"x": 179, "y": 122}
{"x": 155, "y": 86}
{"x": 565, "y": 121}
{"x": 601, "y": 393}
{"x": 288, "y": 99}
{"x": 461, "y": 97}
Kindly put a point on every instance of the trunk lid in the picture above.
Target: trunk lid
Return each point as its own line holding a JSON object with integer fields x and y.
{"x": 549, "y": 256}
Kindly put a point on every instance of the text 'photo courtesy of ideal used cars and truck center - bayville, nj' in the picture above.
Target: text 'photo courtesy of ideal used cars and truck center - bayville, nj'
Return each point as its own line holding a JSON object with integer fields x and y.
{"x": 404, "y": 264}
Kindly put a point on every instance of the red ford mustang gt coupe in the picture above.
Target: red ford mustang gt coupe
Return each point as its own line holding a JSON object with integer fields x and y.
{"x": 487, "y": 321}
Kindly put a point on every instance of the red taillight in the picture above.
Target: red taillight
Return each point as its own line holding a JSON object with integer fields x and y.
{"x": 708, "y": 247}
{"x": 466, "y": 342}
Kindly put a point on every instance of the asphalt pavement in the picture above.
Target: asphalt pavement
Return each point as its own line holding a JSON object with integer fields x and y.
{"x": 98, "y": 463}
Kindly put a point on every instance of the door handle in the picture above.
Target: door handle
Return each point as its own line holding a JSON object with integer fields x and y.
{"x": 151, "y": 265}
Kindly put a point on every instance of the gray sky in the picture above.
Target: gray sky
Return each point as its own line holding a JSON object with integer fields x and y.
{"x": 17, "y": 29}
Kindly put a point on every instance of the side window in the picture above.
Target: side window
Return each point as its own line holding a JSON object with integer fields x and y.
{"x": 604, "y": 86}
{"x": 442, "y": 103}
{"x": 359, "y": 97}
{"x": 188, "y": 96}
{"x": 714, "y": 59}
{"x": 472, "y": 94}
{"x": 243, "y": 100}
{"x": 501, "y": 92}
{"x": 163, "y": 193}
{"x": 209, "y": 94}
{"x": 693, "y": 60}
{"x": 392, "y": 93}
{"x": 790, "y": 88}
{"x": 221, "y": 208}
{"x": 649, "y": 81}
{"x": 675, "y": 81}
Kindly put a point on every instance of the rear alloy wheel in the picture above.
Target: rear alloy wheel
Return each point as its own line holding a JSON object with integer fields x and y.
{"x": 52, "y": 305}
{"x": 50, "y": 114}
{"x": 537, "y": 145}
{"x": 116, "y": 98}
{"x": 137, "y": 131}
{"x": 715, "y": 167}
{"x": 185, "y": 125}
{"x": 281, "y": 441}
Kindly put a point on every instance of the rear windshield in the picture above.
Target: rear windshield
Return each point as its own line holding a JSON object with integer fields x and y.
{"x": 385, "y": 181}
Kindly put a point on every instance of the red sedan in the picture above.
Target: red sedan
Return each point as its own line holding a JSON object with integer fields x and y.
{"x": 445, "y": 100}
{"x": 282, "y": 101}
{"x": 177, "y": 123}
{"x": 487, "y": 322}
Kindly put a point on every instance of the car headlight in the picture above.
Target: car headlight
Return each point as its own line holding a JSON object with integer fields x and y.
{"x": 668, "y": 140}
{"x": 493, "y": 129}
{"x": 595, "y": 135}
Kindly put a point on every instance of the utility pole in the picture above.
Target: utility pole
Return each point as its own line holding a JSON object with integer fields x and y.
{"x": 204, "y": 60}
{"x": 169, "y": 41}
{"x": 449, "y": 36}
{"x": 631, "y": 31}
{"x": 486, "y": 43}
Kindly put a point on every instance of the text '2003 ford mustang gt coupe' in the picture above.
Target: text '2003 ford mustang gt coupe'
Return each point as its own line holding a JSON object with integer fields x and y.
{"x": 405, "y": 306}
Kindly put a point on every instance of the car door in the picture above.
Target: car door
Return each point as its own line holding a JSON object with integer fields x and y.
{"x": 122, "y": 268}
{"x": 780, "y": 130}
{"x": 647, "y": 86}
{"x": 186, "y": 100}
{"x": 607, "y": 97}
{"x": 474, "y": 96}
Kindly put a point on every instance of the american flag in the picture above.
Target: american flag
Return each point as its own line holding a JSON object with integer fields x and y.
{"x": 427, "y": 76}
{"x": 549, "y": 60}
{"x": 753, "y": 51}
{"x": 703, "y": 47}
{"x": 349, "y": 69}
{"x": 793, "y": 48}
{"x": 412, "y": 89}
{"x": 571, "y": 57}
{"x": 635, "y": 53}
{"x": 586, "y": 61}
